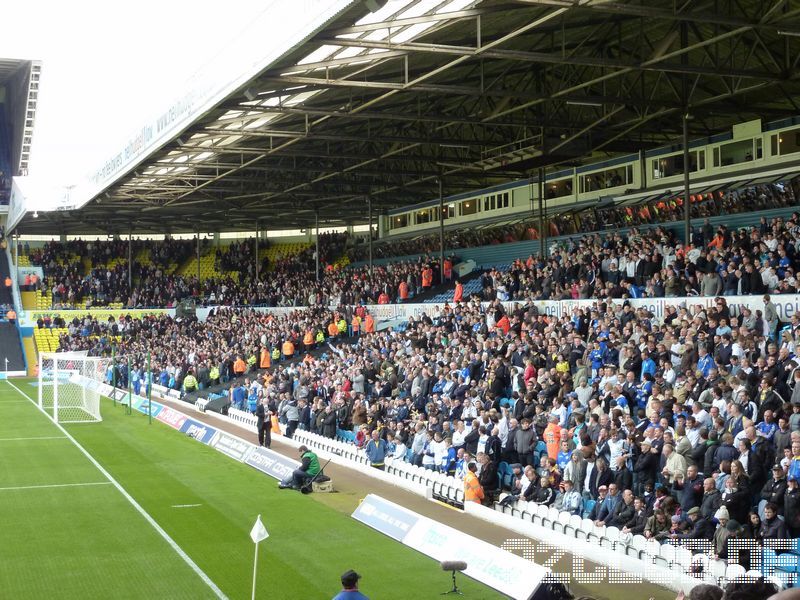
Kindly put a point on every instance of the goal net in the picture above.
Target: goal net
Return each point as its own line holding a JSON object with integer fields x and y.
{"x": 70, "y": 386}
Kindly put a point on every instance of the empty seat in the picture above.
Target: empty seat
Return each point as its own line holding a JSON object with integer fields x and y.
{"x": 734, "y": 572}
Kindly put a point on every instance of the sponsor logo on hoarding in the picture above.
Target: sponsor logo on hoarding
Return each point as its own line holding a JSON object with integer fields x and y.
{"x": 171, "y": 417}
{"x": 388, "y": 518}
{"x": 199, "y": 431}
{"x": 273, "y": 464}
{"x": 233, "y": 447}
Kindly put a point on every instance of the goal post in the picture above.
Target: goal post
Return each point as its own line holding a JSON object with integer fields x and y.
{"x": 70, "y": 385}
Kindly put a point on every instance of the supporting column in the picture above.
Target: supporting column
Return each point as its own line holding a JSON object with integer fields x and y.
{"x": 687, "y": 218}
{"x": 130, "y": 260}
{"x": 369, "y": 238}
{"x": 256, "y": 255}
{"x": 542, "y": 226}
{"x": 198, "y": 256}
{"x": 316, "y": 216}
{"x": 441, "y": 227}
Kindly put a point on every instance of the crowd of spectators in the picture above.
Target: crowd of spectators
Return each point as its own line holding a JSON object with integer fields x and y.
{"x": 759, "y": 259}
{"x": 635, "y": 264}
{"x": 291, "y": 281}
{"x": 742, "y": 200}
{"x": 685, "y": 427}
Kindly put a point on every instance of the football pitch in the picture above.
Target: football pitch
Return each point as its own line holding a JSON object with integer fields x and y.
{"x": 144, "y": 512}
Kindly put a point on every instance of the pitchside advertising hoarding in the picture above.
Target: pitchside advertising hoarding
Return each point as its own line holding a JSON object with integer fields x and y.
{"x": 268, "y": 462}
{"x": 504, "y": 571}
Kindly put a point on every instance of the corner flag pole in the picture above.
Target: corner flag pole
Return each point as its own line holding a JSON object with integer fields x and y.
{"x": 257, "y": 534}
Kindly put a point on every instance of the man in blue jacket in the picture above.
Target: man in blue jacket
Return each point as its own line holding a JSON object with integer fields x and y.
{"x": 376, "y": 450}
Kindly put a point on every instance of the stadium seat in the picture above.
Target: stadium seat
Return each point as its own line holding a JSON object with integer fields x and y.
{"x": 639, "y": 544}
{"x": 683, "y": 557}
{"x": 734, "y": 571}
{"x": 588, "y": 506}
{"x": 653, "y": 548}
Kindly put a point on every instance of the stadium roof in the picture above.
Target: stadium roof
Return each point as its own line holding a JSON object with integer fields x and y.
{"x": 380, "y": 103}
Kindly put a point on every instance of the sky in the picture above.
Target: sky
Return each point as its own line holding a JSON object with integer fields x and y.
{"x": 107, "y": 67}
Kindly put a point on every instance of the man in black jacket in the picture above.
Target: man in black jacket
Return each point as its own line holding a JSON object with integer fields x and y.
{"x": 624, "y": 510}
{"x": 488, "y": 478}
{"x": 712, "y": 499}
{"x": 775, "y": 489}
{"x": 494, "y": 446}
{"x": 701, "y": 528}
{"x": 263, "y": 424}
{"x": 636, "y": 524}
{"x": 473, "y": 437}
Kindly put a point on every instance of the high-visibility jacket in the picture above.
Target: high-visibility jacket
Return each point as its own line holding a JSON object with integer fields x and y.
{"x": 369, "y": 324}
{"x": 459, "y": 293}
{"x": 276, "y": 353}
{"x": 342, "y": 326}
{"x": 288, "y": 348}
{"x": 383, "y": 298}
{"x": 427, "y": 277}
{"x": 308, "y": 338}
{"x": 552, "y": 439}
{"x": 504, "y": 324}
{"x": 189, "y": 383}
{"x": 213, "y": 373}
{"x": 239, "y": 366}
{"x": 320, "y": 337}
{"x": 402, "y": 290}
{"x": 473, "y": 492}
{"x": 448, "y": 268}
{"x": 265, "y": 362}
{"x": 27, "y": 279}
{"x": 356, "y": 323}
{"x": 333, "y": 329}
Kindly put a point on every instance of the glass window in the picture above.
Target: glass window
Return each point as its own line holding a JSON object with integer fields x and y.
{"x": 469, "y": 207}
{"x": 399, "y": 221}
{"x": 668, "y": 166}
{"x": 788, "y": 142}
{"x": 556, "y": 189}
{"x": 734, "y": 153}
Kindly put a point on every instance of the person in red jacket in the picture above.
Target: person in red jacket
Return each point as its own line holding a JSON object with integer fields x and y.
{"x": 459, "y": 293}
{"x": 383, "y": 298}
{"x": 402, "y": 291}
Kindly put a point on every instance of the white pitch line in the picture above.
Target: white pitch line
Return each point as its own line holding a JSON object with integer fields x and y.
{"x": 25, "y": 439}
{"x": 178, "y": 550}
{"x": 53, "y": 485}
{"x": 185, "y": 505}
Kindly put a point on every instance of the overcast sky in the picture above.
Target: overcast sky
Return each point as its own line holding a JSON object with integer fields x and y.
{"x": 109, "y": 66}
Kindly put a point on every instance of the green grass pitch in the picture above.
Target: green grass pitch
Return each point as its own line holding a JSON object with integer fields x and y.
{"x": 87, "y": 541}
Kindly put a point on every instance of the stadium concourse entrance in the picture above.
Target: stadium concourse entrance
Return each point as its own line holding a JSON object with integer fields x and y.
{"x": 351, "y": 487}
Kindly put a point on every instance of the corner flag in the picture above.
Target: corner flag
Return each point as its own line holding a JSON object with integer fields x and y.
{"x": 259, "y": 532}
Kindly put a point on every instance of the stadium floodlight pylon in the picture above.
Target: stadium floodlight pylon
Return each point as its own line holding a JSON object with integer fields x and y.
{"x": 70, "y": 386}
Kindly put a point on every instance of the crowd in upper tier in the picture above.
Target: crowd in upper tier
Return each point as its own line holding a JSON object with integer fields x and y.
{"x": 653, "y": 263}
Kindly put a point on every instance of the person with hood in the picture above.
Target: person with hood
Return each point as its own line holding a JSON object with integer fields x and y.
{"x": 720, "y": 538}
{"x": 525, "y": 442}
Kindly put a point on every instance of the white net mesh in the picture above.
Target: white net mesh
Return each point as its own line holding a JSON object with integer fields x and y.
{"x": 70, "y": 386}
